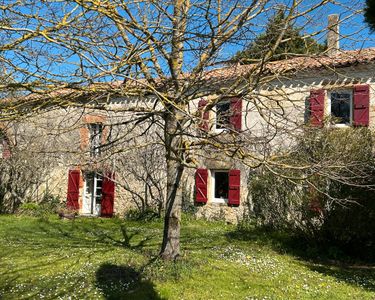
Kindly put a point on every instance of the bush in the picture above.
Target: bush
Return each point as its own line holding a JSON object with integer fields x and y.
{"x": 48, "y": 205}
{"x": 30, "y": 209}
{"x": 320, "y": 190}
{"x": 352, "y": 227}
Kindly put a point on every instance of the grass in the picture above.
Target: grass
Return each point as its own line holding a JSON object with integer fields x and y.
{"x": 48, "y": 258}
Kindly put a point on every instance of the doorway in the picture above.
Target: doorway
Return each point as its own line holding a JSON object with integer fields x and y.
{"x": 92, "y": 196}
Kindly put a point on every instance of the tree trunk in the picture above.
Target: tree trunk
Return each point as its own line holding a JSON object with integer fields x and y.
{"x": 170, "y": 248}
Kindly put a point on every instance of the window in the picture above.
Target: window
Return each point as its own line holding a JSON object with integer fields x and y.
{"x": 92, "y": 194}
{"x": 97, "y": 194}
{"x": 345, "y": 107}
{"x": 220, "y": 186}
{"x": 341, "y": 107}
{"x": 96, "y": 132}
{"x": 217, "y": 186}
{"x": 228, "y": 115}
{"x": 223, "y": 114}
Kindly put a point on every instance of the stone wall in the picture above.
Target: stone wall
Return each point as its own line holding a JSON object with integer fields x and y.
{"x": 271, "y": 115}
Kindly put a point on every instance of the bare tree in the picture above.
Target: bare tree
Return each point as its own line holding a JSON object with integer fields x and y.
{"x": 142, "y": 175}
{"x": 162, "y": 54}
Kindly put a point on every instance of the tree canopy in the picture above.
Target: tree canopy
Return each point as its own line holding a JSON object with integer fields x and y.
{"x": 292, "y": 43}
{"x": 370, "y": 14}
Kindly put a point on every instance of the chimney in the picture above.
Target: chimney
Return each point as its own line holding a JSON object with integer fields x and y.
{"x": 333, "y": 35}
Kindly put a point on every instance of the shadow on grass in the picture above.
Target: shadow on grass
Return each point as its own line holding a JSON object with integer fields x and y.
{"x": 127, "y": 237}
{"x": 124, "y": 282}
{"x": 85, "y": 233}
{"x": 325, "y": 259}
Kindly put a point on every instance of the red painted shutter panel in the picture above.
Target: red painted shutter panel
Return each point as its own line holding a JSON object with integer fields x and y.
{"x": 317, "y": 107}
{"x": 203, "y": 115}
{"x": 234, "y": 187}
{"x": 201, "y": 176}
{"x": 236, "y": 113}
{"x": 6, "y": 150}
{"x": 108, "y": 194}
{"x": 73, "y": 189}
{"x": 361, "y": 105}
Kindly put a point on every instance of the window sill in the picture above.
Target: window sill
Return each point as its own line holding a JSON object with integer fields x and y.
{"x": 340, "y": 125}
{"x": 219, "y": 201}
{"x": 221, "y": 130}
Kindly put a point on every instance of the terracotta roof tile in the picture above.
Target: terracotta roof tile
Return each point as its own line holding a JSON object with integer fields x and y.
{"x": 301, "y": 63}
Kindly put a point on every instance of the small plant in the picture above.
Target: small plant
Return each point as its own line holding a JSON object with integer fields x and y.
{"x": 145, "y": 215}
{"x": 168, "y": 270}
{"x": 48, "y": 205}
{"x": 29, "y": 209}
{"x": 51, "y": 203}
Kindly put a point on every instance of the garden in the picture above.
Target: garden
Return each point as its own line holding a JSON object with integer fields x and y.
{"x": 44, "y": 257}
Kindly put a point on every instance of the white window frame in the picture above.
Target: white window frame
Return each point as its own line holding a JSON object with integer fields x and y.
{"x": 94, "y": 196}
{"x": 219, "y": 130}
{"x": 329, "y": 103}
{"x": 95, "y": 139}
{"x": 212, "y": 189}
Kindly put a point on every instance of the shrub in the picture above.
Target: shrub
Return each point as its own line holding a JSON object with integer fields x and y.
{"x": 30, "y": 209}
{"x": 321, "y": 189}
{"x": 48, "y": 205}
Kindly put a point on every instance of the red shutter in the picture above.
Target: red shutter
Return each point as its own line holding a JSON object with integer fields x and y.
{"x": 234, "y": 187}
{"x": 203, "y": 115}
{"x": 201, "y": 176}
{"x": 236, "y": 113}
{"x": 108, "y": 194}
{"x": 315, "y": 205}
{"x": 6, "y": 150}
{"x": 73, "y": 189}
{"x": 317, "y": 107}
{"x": 361, "y": 104}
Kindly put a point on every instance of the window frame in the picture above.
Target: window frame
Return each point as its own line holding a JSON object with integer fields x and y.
{"x": 213, "y": 184}
{"x": 225, "y": 127}
{"x": 91, "y": 180}
{"x": 349, "y": 91}
{"x": 95, "y": 140}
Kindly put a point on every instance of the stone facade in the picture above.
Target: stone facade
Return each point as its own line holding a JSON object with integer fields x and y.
{"x": 268, "y": 117}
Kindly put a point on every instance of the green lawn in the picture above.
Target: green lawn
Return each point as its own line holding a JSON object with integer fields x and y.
{"x": 115, "y": 259}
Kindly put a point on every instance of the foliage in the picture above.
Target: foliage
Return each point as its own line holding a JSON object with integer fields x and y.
{"x": 30, "y": 209}
{"x": 145, "y": 215}
{"x": 294, "y": 42}
{"x": 49, "y": 205}
{"x": 86, "y": 259}
{"x": 351, "y": 227}
{"x": 334, "y": 209}
{"x": 370, "y": 14}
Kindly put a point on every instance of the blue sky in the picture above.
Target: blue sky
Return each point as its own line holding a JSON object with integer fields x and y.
{"x": 354, "y": 32}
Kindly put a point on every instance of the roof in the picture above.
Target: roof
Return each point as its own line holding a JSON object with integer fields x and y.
{"x": 300, "y": 63}
{"x": 286, "y": 66}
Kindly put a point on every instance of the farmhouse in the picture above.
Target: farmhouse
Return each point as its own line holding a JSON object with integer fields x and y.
{"x": 97, "y": 157}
